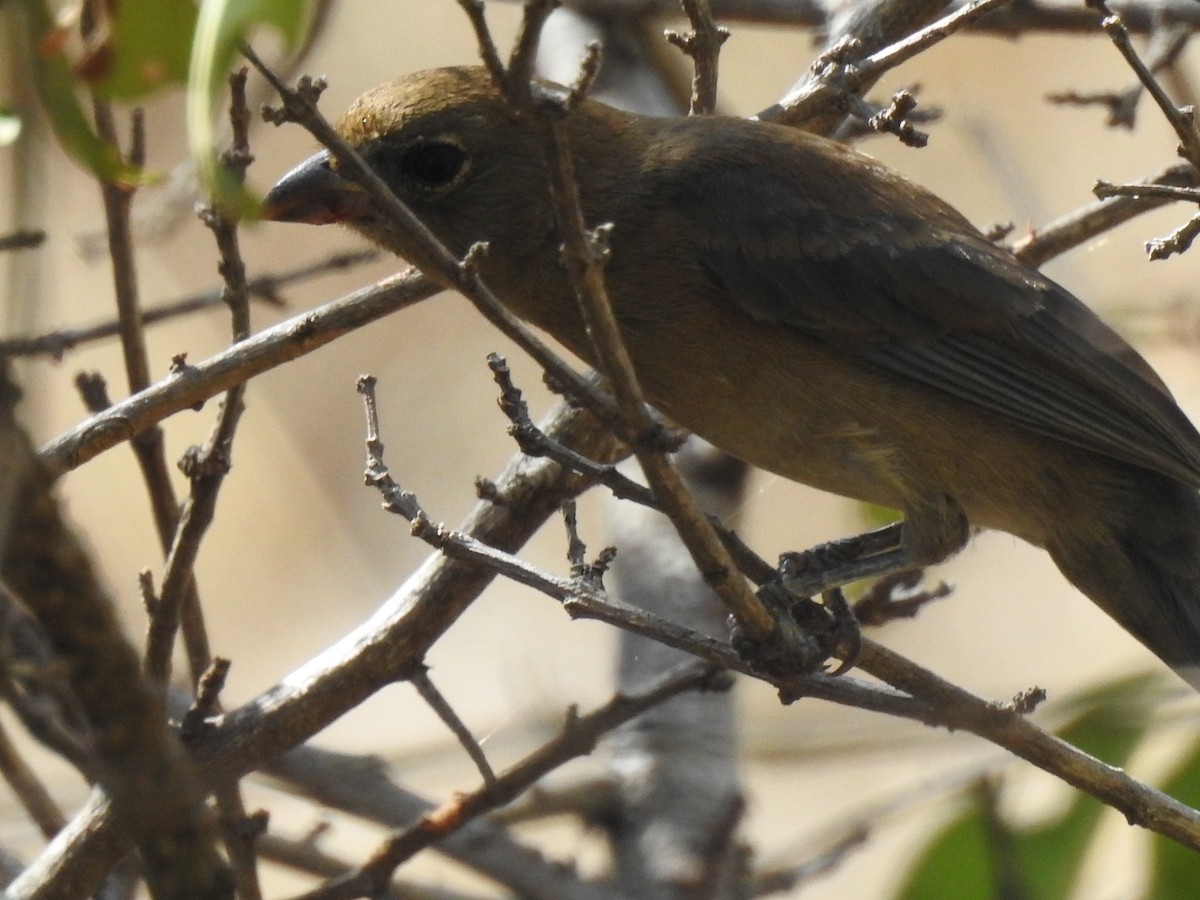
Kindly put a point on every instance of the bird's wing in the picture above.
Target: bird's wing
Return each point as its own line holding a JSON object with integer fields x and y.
{"x": 932, "y": 301}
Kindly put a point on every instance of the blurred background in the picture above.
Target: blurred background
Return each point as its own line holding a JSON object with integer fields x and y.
{"x": 301, "y": 553}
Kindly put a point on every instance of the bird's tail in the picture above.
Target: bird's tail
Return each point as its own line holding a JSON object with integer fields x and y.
{"x": 1144, "y": 570}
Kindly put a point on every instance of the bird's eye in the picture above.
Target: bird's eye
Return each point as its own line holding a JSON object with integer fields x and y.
{"x": 434, "y": 163}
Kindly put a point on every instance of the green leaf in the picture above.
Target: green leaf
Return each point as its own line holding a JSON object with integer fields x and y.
{"x": 152, "y": 43}
{"x": 957, "y": 863}
{"x": 1109, "y": 722}
{"x": 1174, "y": 869}
{"x": 56, "y": 89}
{"x": 222, "y": 26}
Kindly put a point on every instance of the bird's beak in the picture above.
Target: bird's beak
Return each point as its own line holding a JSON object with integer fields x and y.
{"x": 316, "y": 194}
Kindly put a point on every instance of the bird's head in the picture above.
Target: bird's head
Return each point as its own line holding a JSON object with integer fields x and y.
{"x": 448, "y": 146}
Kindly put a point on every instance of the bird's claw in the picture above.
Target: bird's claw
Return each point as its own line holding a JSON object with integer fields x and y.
{"x": 807, "y": 634}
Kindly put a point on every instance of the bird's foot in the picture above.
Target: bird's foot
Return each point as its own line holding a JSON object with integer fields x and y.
{"x": 807, "y": 635}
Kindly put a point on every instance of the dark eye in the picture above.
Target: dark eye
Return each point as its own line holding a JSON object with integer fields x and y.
{"x": 434, "y": 164}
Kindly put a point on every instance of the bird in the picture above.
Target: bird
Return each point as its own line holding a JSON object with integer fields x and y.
{"x": 805, "y": 308}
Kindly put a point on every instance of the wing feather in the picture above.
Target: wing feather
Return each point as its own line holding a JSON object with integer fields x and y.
{"x": 926, "y": 298}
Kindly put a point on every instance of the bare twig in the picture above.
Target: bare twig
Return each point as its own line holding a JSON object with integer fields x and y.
{"x": 269, "y": 348}
{"x": 1166, "y": 45}
{"x": 306, "y": 856}
{"x": 148, "y": 444}
{"x": 534, "y": 442}
{"x": 1048, "y": 16}
{"x": 585, "y": 253}
{"x": 365, "y": 788}
{"x": 848, "y": 68}
{"x": 207, "y": 701}
{"x": 1086, "y": 223}
{"x": 896, "y": 119}
{"x": 1183, "y": 121}
{"x": 420, "y": 679}
{"x": 779, "y": 880}
{"x": 205, "y": 466}
{"x": 1177, "y": 241}
{"x": 265, "y": 288}
{"x": 29, "y": 789}
{"x": 1104, "y": 190}
{"x": 578, "y": 737}
{"x": 488, "y": 52}
{"x": 703, "y": 45}
{"x": 521, "y": 61}
{"x": 22, "y": 240}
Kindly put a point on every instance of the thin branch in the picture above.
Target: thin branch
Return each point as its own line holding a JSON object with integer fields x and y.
{"x": 306, "y": 856}
{"x": 483, "y": 36}
{"x": 206, "y": 466}
{"x": 29, "y": 789}
{"x": 22, "y": 240}
{"x": 1105, "y": 189}
{"x": 840, "y": 73}
{"x": 1183, "y": 121}
{"x": 585, "y": 253}
{"x": 534, "y": 442}
{"x": 789, "y": 879}
{"x": 875, "y": 65}
{"x": 394, "y": 639}
{"x": 147, "y": 445}
{"x": 703, "y": 44}
{"x": 117, "y": 200}
{"x": 518, "y": 77}
{"x": 365, "y": 788}
{"x": 1178, "y": 241}
{"x": 265, "y": 288}
{"x": 1167, "y": 43}
{"x": 197, "y": 383}
{"x": 432, "y": 696}
{"x": 897, "y": 118}
{"x": 1027, "y": 16}
{"x": 1086, "y": 223}
{"x": 578, "y": 738}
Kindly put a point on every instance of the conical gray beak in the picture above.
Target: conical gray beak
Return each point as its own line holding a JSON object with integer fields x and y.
{"x": 316, "y": 194}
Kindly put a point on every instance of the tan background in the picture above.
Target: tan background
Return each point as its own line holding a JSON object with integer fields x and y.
{"x": 300, "y": 552}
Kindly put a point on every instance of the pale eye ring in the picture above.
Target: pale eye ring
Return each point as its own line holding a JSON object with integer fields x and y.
{"x": 437, "y": 164}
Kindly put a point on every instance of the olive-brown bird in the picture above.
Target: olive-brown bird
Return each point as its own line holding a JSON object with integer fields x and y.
{"x": 806, "y": 309}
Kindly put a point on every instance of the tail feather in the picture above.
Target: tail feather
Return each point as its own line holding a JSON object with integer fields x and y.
{"x": 1173, "y": 598}
{"x": 1144, "y": 571}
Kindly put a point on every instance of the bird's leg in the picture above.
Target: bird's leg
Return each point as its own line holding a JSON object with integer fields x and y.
{"x": 933, "y": 529}
{"x": 830, "y": 565}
